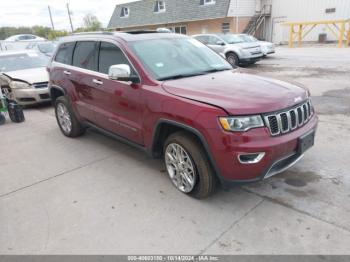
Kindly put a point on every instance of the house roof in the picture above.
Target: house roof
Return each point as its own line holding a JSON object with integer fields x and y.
{"x": 142, "y": 13}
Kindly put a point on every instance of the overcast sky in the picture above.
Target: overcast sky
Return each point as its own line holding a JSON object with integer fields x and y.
{"x": 35, "y": 12}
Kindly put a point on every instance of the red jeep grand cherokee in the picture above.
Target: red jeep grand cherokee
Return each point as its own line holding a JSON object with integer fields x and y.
{"x": 173, "y": 97}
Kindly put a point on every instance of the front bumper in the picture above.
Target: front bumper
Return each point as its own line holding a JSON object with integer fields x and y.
{"x": 268, "y": 50}
{"x": 281, "y": 152}
{"x": 31, "y": 96}
{"x": 251, "y": 59}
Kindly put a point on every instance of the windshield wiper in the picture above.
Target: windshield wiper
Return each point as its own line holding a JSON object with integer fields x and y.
{"x": 179, "y": 76}
{"x": 216, "y": 70}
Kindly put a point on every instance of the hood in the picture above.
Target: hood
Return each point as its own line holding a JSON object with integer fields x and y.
{"x": 264, "y": 43}
{"x": 238, "y": 93}
{"x": 32, "y": 75}
{"x": 246, "y": 45}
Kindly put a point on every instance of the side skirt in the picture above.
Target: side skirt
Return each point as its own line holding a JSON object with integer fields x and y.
{"x": 117, "y": 137}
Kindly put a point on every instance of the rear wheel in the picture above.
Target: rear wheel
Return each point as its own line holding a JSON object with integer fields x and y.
{"x": 187, "y": 165}
{"x": 66, "y": 119}
{"x": 233, "y": 59}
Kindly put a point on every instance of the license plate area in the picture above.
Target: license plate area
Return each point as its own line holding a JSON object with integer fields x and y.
{"x": 305, "y": 142}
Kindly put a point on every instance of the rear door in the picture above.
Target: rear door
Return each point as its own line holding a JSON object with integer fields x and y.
{"x": 82, "y": 73}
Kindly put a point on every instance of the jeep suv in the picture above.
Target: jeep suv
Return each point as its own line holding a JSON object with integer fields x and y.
{"x": 176, "y": 99}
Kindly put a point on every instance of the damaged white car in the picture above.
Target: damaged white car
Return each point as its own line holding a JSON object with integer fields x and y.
{"x": 23, "y": 76}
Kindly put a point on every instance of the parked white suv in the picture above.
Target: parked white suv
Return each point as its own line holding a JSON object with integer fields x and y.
{"x": 232, "y": 47}
{"x": 266, "y": 47}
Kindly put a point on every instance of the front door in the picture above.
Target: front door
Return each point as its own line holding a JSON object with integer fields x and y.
{"x": 216, "y": 44}
{"x": 121, "y": 112}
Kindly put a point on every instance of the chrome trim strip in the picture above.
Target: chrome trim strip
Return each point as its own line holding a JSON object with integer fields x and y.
{"x": 268, "y": 174}
{"x": 301, "y": 107}
{"x": 256, "y": 160}
{"x": 95, "y": 73}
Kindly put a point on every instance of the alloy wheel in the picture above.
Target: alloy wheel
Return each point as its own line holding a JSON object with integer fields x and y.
{"x": 64, "y": 118}
{"x": 180, "y": 167}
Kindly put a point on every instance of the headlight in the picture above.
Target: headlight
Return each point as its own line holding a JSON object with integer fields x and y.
{"x": 19, "y": 85}
{"x": 241, "y": 123}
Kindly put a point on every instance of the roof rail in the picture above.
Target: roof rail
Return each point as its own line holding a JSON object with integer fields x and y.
{"x": 94, "y": 33}
{"x": 137, "y": 32}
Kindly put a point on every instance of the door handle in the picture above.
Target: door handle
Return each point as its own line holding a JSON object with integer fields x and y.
{"x": 67, "y": 72}
{"x": 97, "y": 82}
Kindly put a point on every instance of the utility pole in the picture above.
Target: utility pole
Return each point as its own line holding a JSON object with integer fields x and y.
{"x": 53, "y": 27}
{"x": 70, "y": 19}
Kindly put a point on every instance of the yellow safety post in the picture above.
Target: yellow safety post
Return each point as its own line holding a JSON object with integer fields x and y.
{"x": 341, "y": 35}
{"x": 300, "y": 35}
{"x": 291, "y": 33}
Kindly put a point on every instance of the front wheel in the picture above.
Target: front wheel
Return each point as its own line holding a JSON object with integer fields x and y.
{"x": 187, "y": 166}
{"x": 233, "y": 59}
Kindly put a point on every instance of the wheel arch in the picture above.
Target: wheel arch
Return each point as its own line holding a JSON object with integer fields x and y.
{"x": 231, "y": 52}
{"x": 55, "y": 92}
{"x": 165, "y": 127}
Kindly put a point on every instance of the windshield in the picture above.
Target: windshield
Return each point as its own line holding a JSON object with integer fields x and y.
{"x": 46, "y": 48}
{"x": 23, "y": 61}
{"x": 232, "y": 39}
{"x": 179, "y": 57}
{"x": 249, "y": 38}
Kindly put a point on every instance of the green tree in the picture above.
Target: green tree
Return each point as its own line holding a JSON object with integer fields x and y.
{"x": 41, "y": 31}
{"x": 91, "y": 23}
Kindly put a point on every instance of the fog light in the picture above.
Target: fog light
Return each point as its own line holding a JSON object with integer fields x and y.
{"x": 250, "y": 158}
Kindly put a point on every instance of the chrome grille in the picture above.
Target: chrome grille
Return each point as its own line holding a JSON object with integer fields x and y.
{"x": 288, "y": 120}
{"x": 40, "y": 85}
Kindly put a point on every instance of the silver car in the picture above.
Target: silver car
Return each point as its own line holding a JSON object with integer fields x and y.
{"x": 232, "y": 47}
{"x": 23, "y": 76}
{"x": 266, "y": 47}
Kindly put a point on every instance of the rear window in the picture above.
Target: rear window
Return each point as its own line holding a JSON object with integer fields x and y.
{"x": 85, "y": 55}
{"x": 65, "y": 53}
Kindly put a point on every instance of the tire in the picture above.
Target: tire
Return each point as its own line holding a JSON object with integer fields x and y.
{"x": 204, "y": 182}
{"x": 2, "y": 119}
{"x": 74, "y": 129}
{"x": 233, "y": 59}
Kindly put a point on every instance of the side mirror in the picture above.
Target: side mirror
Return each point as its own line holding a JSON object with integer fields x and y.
{"x": 220, "y": 43}
{"x": 121, "y": 72}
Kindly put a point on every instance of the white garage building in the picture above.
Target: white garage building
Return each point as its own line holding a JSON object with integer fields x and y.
{"x": 298, "y": 11}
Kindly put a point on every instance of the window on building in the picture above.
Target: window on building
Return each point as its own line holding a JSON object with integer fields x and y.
{"x": 330, "y": 10}
{"x": 180, "y": 30}
{"x": 125, "y": 12}
{"x": 207, "y": 2}
{"x": 225, "y": 27}
{"x": 85, "y": 55}
{"x": 160, "y": 7}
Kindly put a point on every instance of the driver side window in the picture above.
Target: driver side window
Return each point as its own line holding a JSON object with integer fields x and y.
{"x": 214, "y": 40}
{"x": 110, "y": 55}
